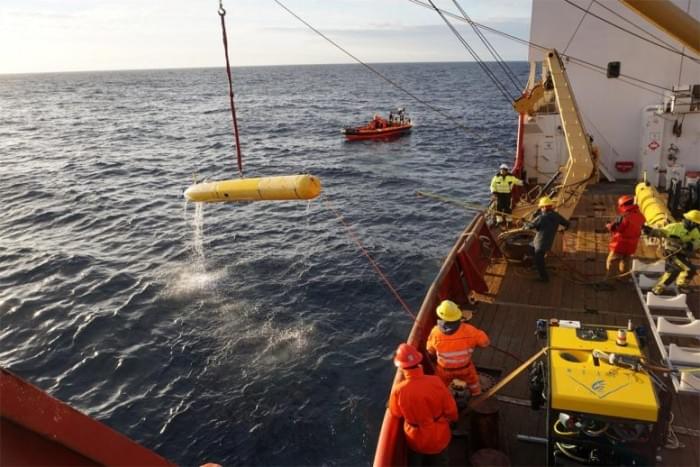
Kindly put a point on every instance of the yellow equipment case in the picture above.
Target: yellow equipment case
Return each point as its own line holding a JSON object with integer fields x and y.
{"x": 582, "y": 383}
{"x": 603, "y": 406}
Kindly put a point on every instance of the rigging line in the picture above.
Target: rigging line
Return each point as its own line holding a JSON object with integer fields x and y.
{"x": 635, "y": 25}
{"x": 386, "y": 280}
{"x": 239, "y": 156}
{"x": 634, "y": 33}
{"x": 601, "y": 135}
{"x": 571, "y": 39}
{"x": 622, "y": 80}
{"x": 489, "y": 73}
{"x": 485, "y": 68}
{"x": 603, "y": 69}
{"x": 526, "y": 42}
{"x": 452, "y": 119}
{"x": 680, "y": 68}
{"x": 371, "y": 260}
{"x": 504, "y": 66}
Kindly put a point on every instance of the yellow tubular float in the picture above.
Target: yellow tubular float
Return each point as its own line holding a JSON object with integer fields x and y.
{"x": 652, "y": 206}
{"x": 288, "y": 187}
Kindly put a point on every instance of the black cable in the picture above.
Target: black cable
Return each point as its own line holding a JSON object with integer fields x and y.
{"x": 604, "y": 73}
{"x": 375, "y": 71}
{"x": 476, "y": 57}
{"x": 635, "y": 34}
{"x": 532, "y": 44}
{"x": 577, "y": 28}
{"x": 624, "y": 76}
{"x": 494, "y": 53}
{"x": 634, "y": 25}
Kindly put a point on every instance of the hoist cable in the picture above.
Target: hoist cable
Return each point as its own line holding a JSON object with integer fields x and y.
{"x": 494, "y": 53}
{"x": 670, "y": 49}
{"x": 476, "y": 57}
{"x": 622, "y": 79}
{"x": 239, "y": 156}
{"x": 635, "y": 25}
{"x": 530, "y": 43}
{"x": 375, "y": 71}
{"x": 571, "y": 39}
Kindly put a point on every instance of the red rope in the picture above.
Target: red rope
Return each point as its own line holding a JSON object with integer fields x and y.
{"x": 372, "y": 262}
{"x": 222, "y": 13}
{"x": 386, "y": 280}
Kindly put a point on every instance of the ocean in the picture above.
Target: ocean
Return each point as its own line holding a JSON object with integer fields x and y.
{"x": 242, "y": 334}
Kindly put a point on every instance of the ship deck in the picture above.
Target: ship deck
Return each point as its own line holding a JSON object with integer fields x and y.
{"x": 514, "y": 301}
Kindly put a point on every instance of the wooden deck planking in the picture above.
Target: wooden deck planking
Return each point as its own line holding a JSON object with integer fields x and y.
{"x": 517, "y": 302}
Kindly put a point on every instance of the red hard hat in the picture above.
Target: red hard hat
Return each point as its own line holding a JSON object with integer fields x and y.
{"x": 625, "y": 200}
{"x": 407, "y": 356}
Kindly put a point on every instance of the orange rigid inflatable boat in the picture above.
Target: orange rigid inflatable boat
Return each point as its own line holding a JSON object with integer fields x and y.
{"x": 381, "y": 128}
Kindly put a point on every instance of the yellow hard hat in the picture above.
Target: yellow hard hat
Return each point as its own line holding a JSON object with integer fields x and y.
{"x": 545, "y": 201}
{"x": 693, "y": 216}
{"x": 449, "y": 311}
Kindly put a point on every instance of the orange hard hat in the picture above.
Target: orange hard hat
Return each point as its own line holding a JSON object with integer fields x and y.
{"x": 407, "y": 356}
{"x": 625, "y": 200}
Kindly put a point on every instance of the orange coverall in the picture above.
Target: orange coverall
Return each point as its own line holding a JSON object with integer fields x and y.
{"x": 427, "y": 407}
{"x": 454, "y": 354}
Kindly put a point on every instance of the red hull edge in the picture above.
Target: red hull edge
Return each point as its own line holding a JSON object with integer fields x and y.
{"x": 461, "y": 273}
{"x": 38, "y": 429}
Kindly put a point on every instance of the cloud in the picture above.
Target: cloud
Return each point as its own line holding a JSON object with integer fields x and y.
{"x": 53, "y": 35}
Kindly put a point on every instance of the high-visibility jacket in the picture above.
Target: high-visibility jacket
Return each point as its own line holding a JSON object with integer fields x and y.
{"x": 626, "y": 231}
{"x": 427, "y": 407}
{"x": 504, "y": 183}
{"x": 678, "y": 233}
{"x": 455, "y": 350}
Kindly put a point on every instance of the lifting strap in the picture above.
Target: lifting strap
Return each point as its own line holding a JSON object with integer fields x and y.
{"x": 222, "y": 13}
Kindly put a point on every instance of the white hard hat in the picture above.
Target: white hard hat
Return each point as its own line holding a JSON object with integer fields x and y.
{"x": 502, "y": 166}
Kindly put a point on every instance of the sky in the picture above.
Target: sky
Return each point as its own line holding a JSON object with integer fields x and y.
{"x": 75, "y": 35}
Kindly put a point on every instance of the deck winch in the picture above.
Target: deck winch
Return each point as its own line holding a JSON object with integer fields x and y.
{"x": 287, "y": 187}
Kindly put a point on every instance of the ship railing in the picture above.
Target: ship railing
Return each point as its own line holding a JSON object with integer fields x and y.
{"x": 461, "y": 274}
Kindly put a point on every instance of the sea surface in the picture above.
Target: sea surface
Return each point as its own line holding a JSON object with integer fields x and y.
{"x": 244, "y": 334}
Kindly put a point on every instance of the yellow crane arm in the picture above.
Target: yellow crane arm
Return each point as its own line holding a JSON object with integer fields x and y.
{"x": 580, "y": 167}
{"x": 665, "y": 15}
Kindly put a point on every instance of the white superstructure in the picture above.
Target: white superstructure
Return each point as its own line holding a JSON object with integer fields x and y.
{"x": 655, "y": 129}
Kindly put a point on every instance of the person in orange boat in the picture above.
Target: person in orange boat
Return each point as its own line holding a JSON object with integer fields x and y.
{"x": 427, "y": 408}
{"x": 451, "y": 343}
{"x": 626, "y": 230}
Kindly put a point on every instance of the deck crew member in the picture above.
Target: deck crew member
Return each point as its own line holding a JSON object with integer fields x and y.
{"x": 682, "y": 240}
{"x": 501, "y": 189}
{"x": 546, "y": 224}
{"x": 626, "y": 230}
{"x": 427, "y": 407}
{"x": 451, "y": 343}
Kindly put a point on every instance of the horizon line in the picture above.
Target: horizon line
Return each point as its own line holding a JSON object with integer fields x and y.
{"x": 16, "y": 73}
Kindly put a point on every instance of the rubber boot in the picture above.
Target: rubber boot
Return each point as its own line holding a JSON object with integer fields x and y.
{"x": 682, "y": 282}
{"x": 661, "y": 284}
